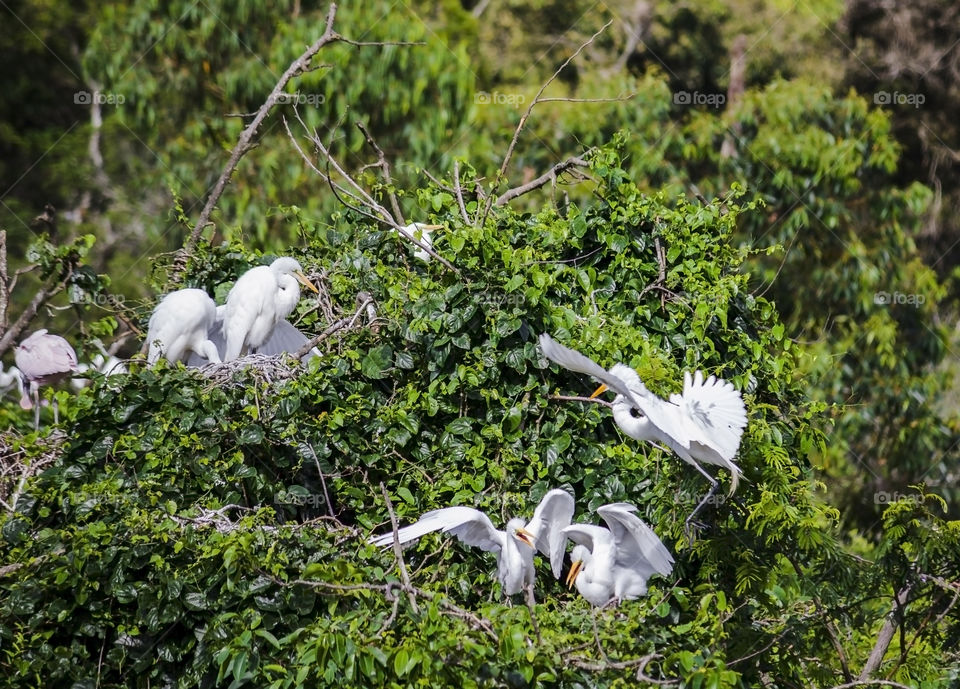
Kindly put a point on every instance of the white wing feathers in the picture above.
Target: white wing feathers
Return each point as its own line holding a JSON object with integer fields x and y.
{"x": 638, "y": 547}
{"x": 575, "y": 361}
{"x": 552, "y": 515}
{"x": 715, "y": 410}
{"x": 471, "y": 526}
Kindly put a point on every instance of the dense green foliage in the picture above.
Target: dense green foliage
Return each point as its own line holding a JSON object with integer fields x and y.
{"x": 188, "y": 528}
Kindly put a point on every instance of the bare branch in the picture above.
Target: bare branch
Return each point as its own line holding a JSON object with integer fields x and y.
{"x": 548, "y": 176}
{"x": 397, "y": 551}
{"x": 385, "y": 168}
{"x": 523, "y": 121}
{"x": 43, "y": 295}
{"x": 566, "y": 398}
{"x": 458, "y": 192}
{"x": 4, "y": 293}
{"x": 332, "y": 328}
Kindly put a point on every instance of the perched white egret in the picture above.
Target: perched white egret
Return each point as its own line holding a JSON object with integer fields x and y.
{"x": 704, "y": 424}
{"x": 43, "y": 358}
{"x": 514, "y": 547}
{"x": 180, "y": 324}
{"x": 260, "y": 299}
{"x": 421, "y": 232}
{"x": 615, "y": 562}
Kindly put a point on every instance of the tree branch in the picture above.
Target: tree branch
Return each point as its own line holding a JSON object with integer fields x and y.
{"x": 523, "y": 121}
{"x": 889, "y": 628}
{"x": 549, "y": 175}
{"x": 385, "y": 168}
{"x": 397, "y": 551}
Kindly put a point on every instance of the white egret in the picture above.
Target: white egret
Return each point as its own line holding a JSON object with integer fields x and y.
{"x": 514, "y": 546}
{"x": 421, "y": 232}
{"x": 258, "y": 301}
{"x": 43, "y": 358}
{"x": 615, "y": 562}
{"x": 181, "y": 324}
{"x": 704, "y": 424}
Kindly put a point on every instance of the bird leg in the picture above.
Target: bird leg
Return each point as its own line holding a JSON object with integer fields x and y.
{"x": 528, "y": 591}
{"x": 706, "y": 498}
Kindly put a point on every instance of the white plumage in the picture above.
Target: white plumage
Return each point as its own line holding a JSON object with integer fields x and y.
{"x": 180, "y": 325}
{"x": 259, "y": 300}
{"x": 421, "y": 232}
{"x": 514, "y": 546}
{"x": 703, "y": 424}
{"x": 615, "y": 562}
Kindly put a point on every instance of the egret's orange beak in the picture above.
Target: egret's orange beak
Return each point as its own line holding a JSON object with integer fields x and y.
{"x": 574, "y": 571}
{"x": 526, "y": 537}
{"x": 599, "y": 391}
{"x": 305, "y": 282}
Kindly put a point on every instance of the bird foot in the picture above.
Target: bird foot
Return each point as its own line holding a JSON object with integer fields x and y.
{"x": 692, "y": 527}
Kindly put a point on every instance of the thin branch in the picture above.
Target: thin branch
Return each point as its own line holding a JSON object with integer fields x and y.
{"x": 397, "y": 550}
{"x": 244, "y": 143}
{"x": 573, "y": 398}
{"x": 331, "y": 329}
{"x": 458, "y": 192}
{"x": 4, "y": 294}
{"x": 523, "y": 121}
{"x": 548, "y": 176}
{"x": 872, "y": 682}
{"x": 385, "y": 168}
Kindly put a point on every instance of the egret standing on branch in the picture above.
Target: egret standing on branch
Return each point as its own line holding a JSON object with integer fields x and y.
{"x": 704, "y": 424}
{"x": 261, "y": 297}
{"x": 180, "y": 325}
{"x": 43, "y": 358}
{"x": 514, "y": 547}
{"x": 615, "y": 563}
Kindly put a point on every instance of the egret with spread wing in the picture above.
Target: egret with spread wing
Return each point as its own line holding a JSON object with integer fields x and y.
{"x": 615, "y": 563}
{"x": 703, "y": 424}
{"x": 180, "y": 325}
{"x": 258, "y": 301}
{"x": 514, "y": 546}
{"x": 43, "y": 358}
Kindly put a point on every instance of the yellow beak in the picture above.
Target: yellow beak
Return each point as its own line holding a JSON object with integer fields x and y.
{"x": 599, "y": 391}
{"x": 574, "y": 571}
{"x": 526, "y": 537}
{"x": 305, "y": 282}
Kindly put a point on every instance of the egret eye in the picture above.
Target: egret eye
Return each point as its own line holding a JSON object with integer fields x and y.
{"x": 635, "y": 413}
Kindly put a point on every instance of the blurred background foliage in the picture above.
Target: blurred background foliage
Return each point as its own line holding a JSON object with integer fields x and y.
{"x": 813, "y": 195}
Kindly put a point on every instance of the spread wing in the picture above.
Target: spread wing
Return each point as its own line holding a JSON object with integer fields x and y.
{"x": 638, "y": 547}
{"x": 590, "y": 536}
{"x": 471, "y": 526}
{"x": 552, "y": 515}
{"x": 714, "y": 413}
{"x": 573, "y": 360}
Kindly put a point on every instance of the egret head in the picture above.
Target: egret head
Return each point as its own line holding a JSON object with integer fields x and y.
{"x": 515, "y": 528}
{"x": 290, "y": 266}
{"x": 579, "y": 556}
